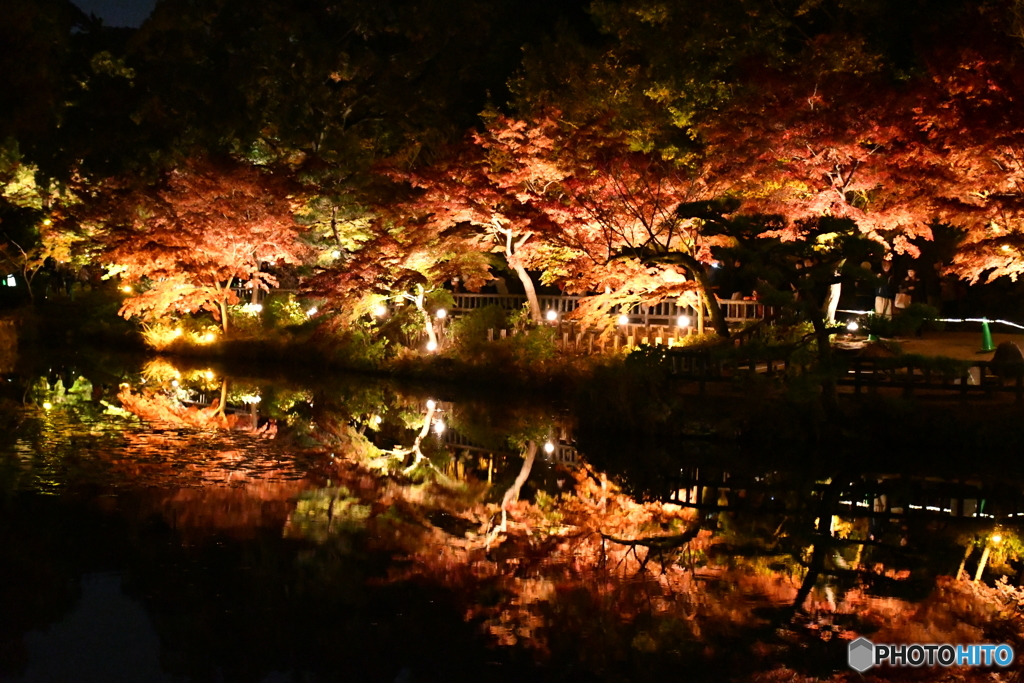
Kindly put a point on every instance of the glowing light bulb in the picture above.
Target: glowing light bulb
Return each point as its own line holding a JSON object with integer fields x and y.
{"x": 377, "y": 419}
{"x": 430, "y": 404}
{"x": 549, "y": 448}
{"x": 174, "y": 383}
{"x": 380, "y": 310}
{"x": 336, "y": 254}
{"x": 126, "y": 289}
{"x": 47, "y": 221}
{"x": 1005, "y": 247}
{"x": 996, "y": 538}
{"x": 431, "y": 346}
{"x": 208, "y": 374}
{"x": 551, "y": 315}
{"x": 683, "y": 321}
{"x": 209, "y": 337}
{"x": 852, "y": 326}
{"x": 623, "y": 319}
{"x": 441, "y": 314}
{"x": 439, "y": 427}
{"x": 311, "y": 312}
{"x": 47, "y": 405}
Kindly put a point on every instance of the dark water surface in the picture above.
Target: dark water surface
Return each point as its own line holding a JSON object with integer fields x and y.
{"x": 161, "y": 521}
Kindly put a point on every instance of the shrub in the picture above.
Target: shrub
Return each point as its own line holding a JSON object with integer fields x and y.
{"x": 471, "y": 329}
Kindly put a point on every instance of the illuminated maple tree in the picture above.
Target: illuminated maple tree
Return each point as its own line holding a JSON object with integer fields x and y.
{"x": 185, "y": 241}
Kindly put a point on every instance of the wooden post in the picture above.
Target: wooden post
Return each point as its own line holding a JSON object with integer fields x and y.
{"x": 504, "y": 333}
{"x": 490, "y": 334}
{"x": 700, "y": 315}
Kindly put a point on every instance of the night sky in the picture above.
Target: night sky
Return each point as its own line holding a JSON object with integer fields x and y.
{"x": 118, "y": 12}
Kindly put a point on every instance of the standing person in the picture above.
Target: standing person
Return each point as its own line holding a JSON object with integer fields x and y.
{"x": 909, "y": 291}
{"x": 883, "y": 292}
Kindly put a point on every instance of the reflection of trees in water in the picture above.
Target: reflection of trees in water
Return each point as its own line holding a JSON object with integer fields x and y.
{"x": 591, "y": 568}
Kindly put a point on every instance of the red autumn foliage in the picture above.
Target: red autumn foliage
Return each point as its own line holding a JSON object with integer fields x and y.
{"x": 186, "y": 239}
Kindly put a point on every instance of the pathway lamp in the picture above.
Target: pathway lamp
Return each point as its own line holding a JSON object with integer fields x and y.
{"x": 551, "y": 315}
{"x": 441, "y": 314}
{"x": 439, "y": 427}
{"x": 683, "y": 321}
{"x": 431, "y": 346}
{"x": 549, "y": 448}
{"x": 852, "y": 326}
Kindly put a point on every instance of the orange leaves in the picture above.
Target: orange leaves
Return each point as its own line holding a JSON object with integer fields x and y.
{"x": 200, "y": 227}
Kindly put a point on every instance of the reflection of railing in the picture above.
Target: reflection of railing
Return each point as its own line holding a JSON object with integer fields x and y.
{"x": 888, "y": 497}
{"x": 563, "y": 453}
{"x": 967, "y": 378}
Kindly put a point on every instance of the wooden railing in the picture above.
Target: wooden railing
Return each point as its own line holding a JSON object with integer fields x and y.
{"x": 662, "y": 313}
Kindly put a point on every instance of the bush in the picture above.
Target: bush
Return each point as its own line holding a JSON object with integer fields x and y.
{"x": 471, "y": 329}
{"x": 906, "y": 322}
{"x": 281, "y": 309}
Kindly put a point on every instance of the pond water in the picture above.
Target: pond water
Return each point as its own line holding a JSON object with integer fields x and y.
{"x": 170, "y": 521}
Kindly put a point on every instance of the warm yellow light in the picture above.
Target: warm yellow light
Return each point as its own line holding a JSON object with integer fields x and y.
{"x": 683, "y": 321}
{"x": 208, "y": 338}
{"x": 623, "y": 319}
{"x": 47, "y": 405}
{"x": 47, "y": 222}
{"x": 177, "y": 332}
{"x": 996, "y": 538}
{"x": 441, "y": 314}
{"x": 127, "y": 289}
{"x": 208, "y": 374}
{"x": 439, "y": 427}
{"x": 377, "y": 419}
{"x": 430, "y": 404}
{"x": 174, "y": 383}
{"x": 312, "y": 311}
{"x": 431, "y": 346}
{"x": 1005, "y": 247}
{"x": 549, "y": 448}
{"x": 551, "y": 315}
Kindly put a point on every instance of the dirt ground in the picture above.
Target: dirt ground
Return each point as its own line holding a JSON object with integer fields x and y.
{"x": 959, "y": 345}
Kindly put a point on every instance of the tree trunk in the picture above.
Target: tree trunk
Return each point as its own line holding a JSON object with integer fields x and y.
{"x": 512, "y": 494}
{"x": 834, "y": 290}
{"x": 428, "y": 420}
{"x": 427, "y": 320}
{"x": 531, "y": 293}
{"x": 696, "y": 270}
{"x": 829, "y": 386}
